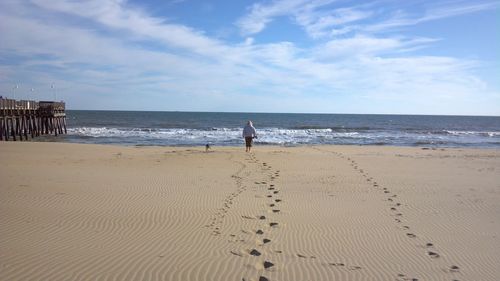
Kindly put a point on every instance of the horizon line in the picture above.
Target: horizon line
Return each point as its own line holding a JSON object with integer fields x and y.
{"x": 309, "y": 113}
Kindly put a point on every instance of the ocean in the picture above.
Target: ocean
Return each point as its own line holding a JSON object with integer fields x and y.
{"x": 224, "y": 129}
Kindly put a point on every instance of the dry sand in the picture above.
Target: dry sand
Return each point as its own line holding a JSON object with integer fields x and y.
{"x": 90, "y": 212}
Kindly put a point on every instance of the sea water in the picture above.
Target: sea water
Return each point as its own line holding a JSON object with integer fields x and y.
{"x": 224, "y": 129}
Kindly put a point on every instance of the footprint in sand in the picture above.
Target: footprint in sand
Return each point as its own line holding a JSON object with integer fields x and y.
{"x": 276, "y": 211}
{"x": 433, "y": 254}
{"x": 265, "y": 240}
{"x": 272, "y": 205}
{"x": 278, "y": 200}
{"x": 411, "y": 235}
{"x": 273, "y": 224}
{"x": 354, "y": 267}
{"x": 254, "y": 252}
{"x": 262, "y": 278}
{"x": 260, "y": 232}
{"x": 268, "y": 264}
{"x": 236, "y": 254}
{"x": 404, "y": 278}
{"x": 454, "y": 268}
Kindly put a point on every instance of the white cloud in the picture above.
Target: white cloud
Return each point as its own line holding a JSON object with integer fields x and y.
{"x": 361, "y": 45}
{"x": 330, "y": 18}
{"x": 249, "y": 41}
{"x": 446, "y": 10}
{"x": 117, "y": 15}
{"x": 329, "y": 23}
{"x": 433, "y": 13}
{"x": 318, "y": 18}
{"x": 260, "y": 15}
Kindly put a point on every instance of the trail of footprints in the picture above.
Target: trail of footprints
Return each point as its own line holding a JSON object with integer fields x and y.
{"x": 267, "y": 226}
{"x": 217, "y": 219}
{"x": 395, "y": 208}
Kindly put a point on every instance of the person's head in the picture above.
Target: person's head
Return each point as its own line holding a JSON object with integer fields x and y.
{"x": 249, "y": 123}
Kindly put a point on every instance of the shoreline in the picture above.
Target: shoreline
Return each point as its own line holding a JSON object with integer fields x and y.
{"x": 327, "y": 212}
{"x": 429, "y": 147}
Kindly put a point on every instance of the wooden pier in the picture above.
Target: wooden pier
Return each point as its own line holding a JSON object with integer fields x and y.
{"x": 29, "y": 119}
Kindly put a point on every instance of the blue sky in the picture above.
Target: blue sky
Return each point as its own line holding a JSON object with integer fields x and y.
{"x": 324, "y": 56}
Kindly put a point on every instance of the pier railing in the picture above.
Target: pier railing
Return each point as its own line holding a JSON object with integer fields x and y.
{"x": 26, "y": 118}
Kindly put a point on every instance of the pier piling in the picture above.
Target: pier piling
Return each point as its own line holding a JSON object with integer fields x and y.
{"x": 26, "y": 119}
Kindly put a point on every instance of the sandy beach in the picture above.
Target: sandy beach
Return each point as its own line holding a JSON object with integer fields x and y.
{"x": 92, "y": 212}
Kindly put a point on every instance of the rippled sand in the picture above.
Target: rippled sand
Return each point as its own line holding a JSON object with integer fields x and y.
{"x": 90, "y": 212}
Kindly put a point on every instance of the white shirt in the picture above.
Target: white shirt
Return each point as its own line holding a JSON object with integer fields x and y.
{"x": 249, "y": 131}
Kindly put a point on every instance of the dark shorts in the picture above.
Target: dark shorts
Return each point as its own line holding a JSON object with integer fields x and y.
{"x": 248, "y": 141}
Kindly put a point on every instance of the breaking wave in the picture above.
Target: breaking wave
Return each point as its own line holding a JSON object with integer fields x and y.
{"x": 279, "y": 136}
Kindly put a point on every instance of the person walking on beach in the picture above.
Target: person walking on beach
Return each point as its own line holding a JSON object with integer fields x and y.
{"x": 249, "y": 133}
